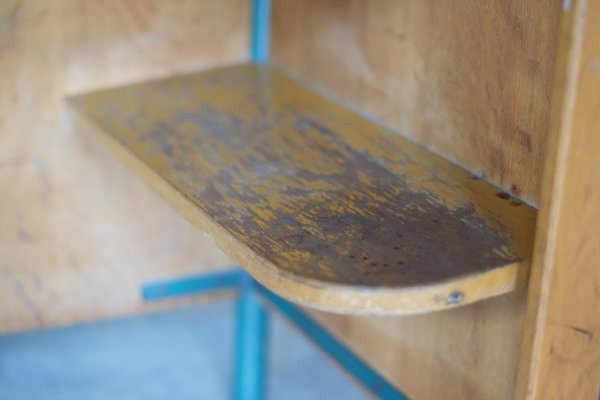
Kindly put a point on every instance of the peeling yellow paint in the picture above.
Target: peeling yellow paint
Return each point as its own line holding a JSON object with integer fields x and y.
{"x": 320, "y": 204}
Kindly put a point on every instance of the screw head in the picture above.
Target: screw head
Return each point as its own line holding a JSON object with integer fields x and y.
{"x": 454, "y": 298}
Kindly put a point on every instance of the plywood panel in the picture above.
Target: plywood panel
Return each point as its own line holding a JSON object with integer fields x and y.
{"x": 78, "y": 232}
{"x": 470, "y": 80}
{"x": 560, "y": 356}
{"x": 466, "y": 353}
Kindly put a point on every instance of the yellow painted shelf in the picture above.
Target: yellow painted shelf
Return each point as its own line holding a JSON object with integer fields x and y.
{"x": 321, "y": 205}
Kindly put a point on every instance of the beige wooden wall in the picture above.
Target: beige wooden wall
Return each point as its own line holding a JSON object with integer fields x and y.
{"x": 78, "y": 232}
{"x": 473, "y": 82}
{"x": 470, "y": 81}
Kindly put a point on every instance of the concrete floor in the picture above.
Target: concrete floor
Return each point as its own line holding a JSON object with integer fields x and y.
{"x": 180, "y": 354}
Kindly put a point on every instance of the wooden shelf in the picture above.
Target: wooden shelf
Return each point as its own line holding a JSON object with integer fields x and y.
{"x": 321, "y": 205}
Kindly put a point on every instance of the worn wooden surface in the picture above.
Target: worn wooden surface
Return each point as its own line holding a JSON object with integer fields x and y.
{"x": 465, "y": 353}
{"x": 561, "y": 347}
{"x": 470, "y": 80}
{"x": 335, "y": 211}
{"x": 78, "y": 232}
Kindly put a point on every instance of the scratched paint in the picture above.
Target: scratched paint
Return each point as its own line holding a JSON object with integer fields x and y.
{"x": 313, "y": 188}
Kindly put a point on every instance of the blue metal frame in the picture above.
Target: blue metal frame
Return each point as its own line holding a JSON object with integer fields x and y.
{"x": 251, "y": 316}
{"x": 252, "y": 331}
{"x": 261, "y": 30}
{"x": 370, "y": 379}
{"x": 210, "y": 282}
{"x": 252, "y": 319}
{"x": 251, "y": 343}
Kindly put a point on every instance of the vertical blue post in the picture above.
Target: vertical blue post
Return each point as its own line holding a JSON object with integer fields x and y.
{"x": 251, "y": 343}
{"x": 261, "y": 30}
{"x": 251, "y": 317}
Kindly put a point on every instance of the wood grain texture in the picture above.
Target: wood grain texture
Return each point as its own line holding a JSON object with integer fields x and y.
{"x": 470, "y": 80}
{"x": 561, "y": 346}
{"x": 465, "y": 353}
{"x": 79, "y": 233}
{"x": 335, "y": 211}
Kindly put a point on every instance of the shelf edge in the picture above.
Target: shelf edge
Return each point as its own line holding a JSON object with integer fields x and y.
{"x": 324, "y": 296}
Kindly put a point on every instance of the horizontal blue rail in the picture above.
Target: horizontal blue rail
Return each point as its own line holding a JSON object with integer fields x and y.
{"x": 209, "y": 282}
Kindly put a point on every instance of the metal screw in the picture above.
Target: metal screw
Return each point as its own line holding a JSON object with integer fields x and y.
{"x": 454, "y": 297}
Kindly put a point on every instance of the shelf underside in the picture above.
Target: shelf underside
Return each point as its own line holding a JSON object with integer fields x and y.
{"x": 321, "y": 205}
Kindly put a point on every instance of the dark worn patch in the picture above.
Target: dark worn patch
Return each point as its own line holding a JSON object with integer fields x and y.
{"x": 311, "y": 187}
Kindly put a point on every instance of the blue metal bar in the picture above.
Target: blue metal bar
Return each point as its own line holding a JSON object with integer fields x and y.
{"x": 261, "y": 30}
{"x": 344, "y": 356}
{"x": 193, "y": 285}
{"x": 252, "y": 331}
{"x": 251, "y": 344}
